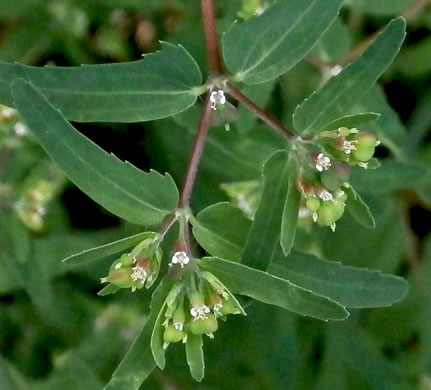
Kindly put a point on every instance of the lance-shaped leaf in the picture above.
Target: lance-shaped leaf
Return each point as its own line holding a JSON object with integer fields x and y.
{"x": 139, "y": 197}
{"x": 346, "y": 89}
{"x": 265, "y": 230}
{"x": 350, "y": 286}
{"x": 273, "y": 290}
{"x": 351, "y": 121}
{"x": 138, "y": 363}
{"x": 163, "y": 84}
{"x": 221, "y": 230}
{"x": 113, "y": 248}
{"x": 290, "y": 216}
{"x": 266, "y": 46}
{"x": 195, "y": 356}
{"x": 359, "y": 209}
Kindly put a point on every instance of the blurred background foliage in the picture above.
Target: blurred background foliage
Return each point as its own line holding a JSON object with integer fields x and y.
{"x": 56, "y": 333}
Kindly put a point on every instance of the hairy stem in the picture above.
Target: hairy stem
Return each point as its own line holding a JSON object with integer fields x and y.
{"x": 195, "y": 156}
{"x": 210, "y": 29}
{"x": 260, "y": 113}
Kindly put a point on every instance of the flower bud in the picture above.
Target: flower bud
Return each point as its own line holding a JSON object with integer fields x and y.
{"x": 333, "y": 178}
{"x": 304, "y": 186}
{"x": 172, "y": 334}
{"x": 204, "y": 325}
{"x": 120, "y": 278}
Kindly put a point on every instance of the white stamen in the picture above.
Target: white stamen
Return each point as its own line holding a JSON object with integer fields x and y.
{"x": 180, "y": 258}
{"x": 199, "y": 312}
{"x": 118, "y": 266}
{"x": 139, "y": 274}
{"x": 333, "y": 226}
{"x": 325, "y": 195}
{"x": 19, "y": 129}
{"x": 363, "y": 165}
{"x": 217, "y": 308}
{"x": 348, "y": 146}
{"x": 7, "y": 112}
{"x": 217, "y": 98}
{"x": 323, "y": 162}
{"x": 178, "y": 326}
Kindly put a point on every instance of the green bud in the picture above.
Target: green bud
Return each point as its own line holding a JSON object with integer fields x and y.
{"x": 126, "y": 260}
{"x": 312, "y": 204}
{"x": 120, "y": 278}
{"x": 228, "y": 308}
{"x": 172, "y": 334}
{"x": 333, "y": 178}
{"x": 365, "y": 146}
{"x": 204, "y": 325}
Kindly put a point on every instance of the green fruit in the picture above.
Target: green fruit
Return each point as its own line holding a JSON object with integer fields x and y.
{"x": 331, "y": 180}
{"x": 330, "y": 212}
{"x": 365, "y": 146}
{"x": 202, "y": 326}
{"x": 312, "y": 204}
{"x": 172, "y": 334}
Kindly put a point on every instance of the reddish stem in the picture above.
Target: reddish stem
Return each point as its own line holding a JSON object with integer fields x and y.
{"x": 210, "y": 29}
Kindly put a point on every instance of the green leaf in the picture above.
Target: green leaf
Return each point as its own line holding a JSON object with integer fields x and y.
{"x": 266, "y": 46}
{"x": 108, "y": 290}
{"x": 290, "y": 216}
{"x": 195, "y": 356}
{"x": 359, "y": 209}
{"x": 157, "y": 339}
{"x": 351, "y": 121}
{"x": 106, "y": 250}
{"x": 221, "y": 230}
{"x": 139, "y": 197}
{"x": 273, "y": 290}
{"x": 138, "y": 363}
{"x": 349, "y": 286}
{"x": 163, "y": 84}
{"x": 265, "y": 230}
{"x": 381, "y": 7}
{"x": 346, "y": 89}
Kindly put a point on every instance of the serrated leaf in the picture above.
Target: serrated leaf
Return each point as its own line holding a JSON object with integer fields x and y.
{"x": 351, "y": 121}
{"x": 138, "y": 197}
{"x": 265, "y": 230}
{"x": 290, "y": 216}
{"x": 359, "y": 209}
{"x": 346, "y": 89}
{"x": 106, "y": 250}
{"x": 221, "y": 230}
{"x": 163, "y": 84}
{"x": 266, "y": 46}
{"x": 273, "y": 290}
{"x": 195, "y": 356}
{"x": 350, "y": 286}
{"x": 138, "y": 363}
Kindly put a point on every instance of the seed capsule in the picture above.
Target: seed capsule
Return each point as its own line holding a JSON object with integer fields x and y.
{"x": 330, "y": 212}
{"x": 312, "y": 204}
{"x": 204, "y": 325}
{"x": 172, "y": 334}
{"x": 365, "y": 147}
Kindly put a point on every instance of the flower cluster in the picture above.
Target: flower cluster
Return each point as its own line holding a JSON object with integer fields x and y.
{"x": 324, "y": 181}
{"x": 138, "y": 268}
{"x": 194, "y": 305}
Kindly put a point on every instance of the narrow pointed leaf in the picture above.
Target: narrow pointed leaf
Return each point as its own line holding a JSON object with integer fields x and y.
{"x": 351, "y": 121}
{"x": 195, "y": 356}
{"x": 163, "y": 84}
{"x": 113, "y": 248}
{"x": 157, "y": 340}
{"x": 264, "y": 234}
{"x": 266, "y": 46}
{"x": 108, "y": 290}
{"x": 138, "y": 197}
{"x": 359, "y": 209}
{"x": 350, "y": 286}
{"x": 273, "y": 290}
{"x": 221, "y": 230}
{"x": 290, "y": 216}
{"x": 346, "y": 89}
{"x": 138, "y": 363}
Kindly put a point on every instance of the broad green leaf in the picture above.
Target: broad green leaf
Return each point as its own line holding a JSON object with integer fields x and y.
{"x": 351, "y": 121}
{"x": 266, "y": 46}
{"x": 273, "y": 290}
{"x": 349, "y": 286}
{"x": 221, "y": 230}
{"x": 106, "y": 250}
{"x": 380, "y": 7}
{"x": 334, "y": 44}
{"x": 195, "y": 356}
{"x": 391, "y": 176}
{"x": 265, "y": 230}
{"x": 346, "y": 89}
{"x": 139, "y": 197}
{"x": 415, "y": 61}
{"x": 290, "y": 216}
{"x": 138, "y": 363}
{"x": 163, "y": 84}
{"x": 359, "y": 209}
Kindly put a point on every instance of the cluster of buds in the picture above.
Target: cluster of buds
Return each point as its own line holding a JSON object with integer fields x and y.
{"x": 322, "y": 184}
{"x": 349, "y": 145}
{"x": 31, "y": 207}
{"x": 138, "y": 268}
{"x": 195, "y": 307}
